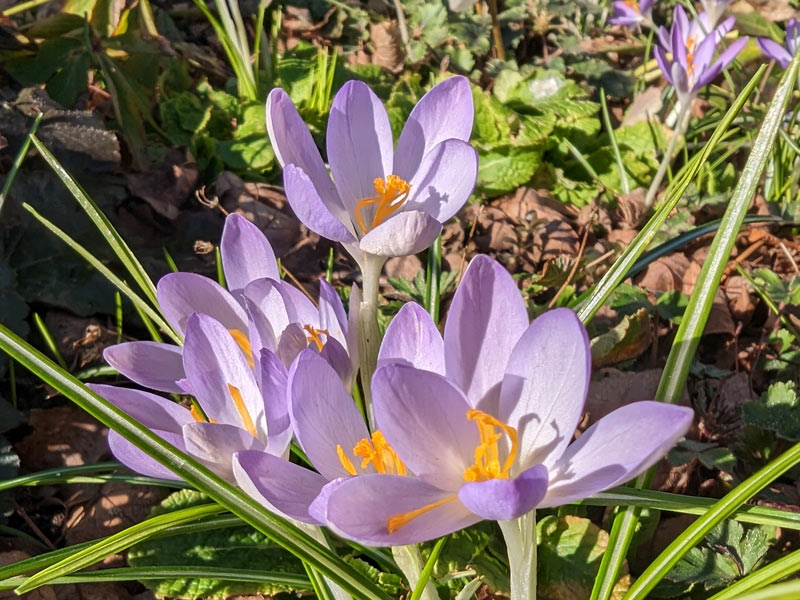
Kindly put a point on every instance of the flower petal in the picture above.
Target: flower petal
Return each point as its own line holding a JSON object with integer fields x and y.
{"x": 412, "y": 339}
{"x": 246, "y": 253}
{"x": 294, "y": 145}
{"x": 445, "y": 112}
{"x": 424, "y": 418}
{"x": 154, "y": 412}
{"x": 722, "y": 62}
{"x": 266, "y": 295}
{"x": 213, "y": 363}
{"x": 359, "y": 143}
{"x": 214, "y": 444}
{"x": 283, "y": 487}
{"x": 403, "y": 234}
{"x": 332, "y": 317}
{"x": 182, "y": 294}
{"x": 359, "y": 508}
{"x": 545, "y": 385}
{"x": 150, "y": 364}
{"x": 444, "y": 180}
{"x": 486, "y": 319}
{"x": 775, "y": 51}
{"x": 311, "y": 210}
{"x": 323, "y": 414}
{"x": 137, "y": 460}
{"x": 337, "y": 357}
{"x": 274, "y": 382}
{"x": 506, "y": 499}
{"x": 617, "y": 448}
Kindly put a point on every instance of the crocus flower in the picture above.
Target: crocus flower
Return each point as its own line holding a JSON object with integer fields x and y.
{"x": 632, "y": 13}
{"x": 247, "y": 259}
{"x": 783, "y": 54}
{"x": 239, "y": 412}
{"x": 714, "y": 9}
{"x": 332, "y": 433}
{"x": 478, "y": 424}
{"x": 383, "y": 200}
{"x": 685, "y": 53}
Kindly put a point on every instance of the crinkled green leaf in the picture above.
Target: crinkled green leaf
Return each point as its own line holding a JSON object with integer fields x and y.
{"x": 778, "y": 410}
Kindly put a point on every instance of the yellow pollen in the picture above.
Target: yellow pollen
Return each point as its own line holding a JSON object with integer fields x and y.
{"x": 397, "y": 521}
{"x": 196, "y": 414}
{"x": 378, "y": 453}
{"x": 487, "y": 454}
{"x": 347, "y": 464}
{"x": 241, "y": 340}
{"x": 634, "y": 5}
{"x": 314, "y": 336}
{"x": 247, "y": 420}
{"x": 391, "y": 194}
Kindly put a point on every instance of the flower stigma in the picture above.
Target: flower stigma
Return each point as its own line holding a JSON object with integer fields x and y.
{"x": 397, "y": 521}
{"x": 314, "y": 335}
{"x": 392, "y": 193}
{"x": 244, "y": 344}
{"x": 487, "y": 453}
{"x": 247, "y": 420}
{"x": 374, "y": 451}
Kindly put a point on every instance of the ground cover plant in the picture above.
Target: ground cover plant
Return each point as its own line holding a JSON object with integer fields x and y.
{"x": 383, "y": 300}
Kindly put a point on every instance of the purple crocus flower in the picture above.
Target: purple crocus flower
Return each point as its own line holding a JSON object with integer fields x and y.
{"x": 714, "y": 9}
{"x": 632, "y": 13}
{"x": 685, "y": 52}
{"x": 478, "y": 424}
{"x": 241, "y": 411}
{"x": 783, "y": 54}
{"x": 249, "y": 263}
{"x": 383, "y": 200}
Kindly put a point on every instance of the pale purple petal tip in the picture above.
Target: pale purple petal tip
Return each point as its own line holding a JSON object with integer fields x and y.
{"x": 506, "y": 499}
{"x": 246, "y": 253}
{"x": 150, "y": 364}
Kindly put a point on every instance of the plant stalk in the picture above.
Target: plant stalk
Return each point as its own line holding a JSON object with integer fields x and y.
{"x": 520, "y": 536}
{"x": 368, "y": 330}
{"x": 680, "y": 130}
{"x": 497, "y": 34}
{"x": 409, "y": 560}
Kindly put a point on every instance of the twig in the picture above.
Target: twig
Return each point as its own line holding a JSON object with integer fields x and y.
{"x": 497, "y": 34}
{"x": 789, "y": 256}
{"x": 21, "y": 512}
{"x": 297, "y": 283}
{"x": 573, "y": 270}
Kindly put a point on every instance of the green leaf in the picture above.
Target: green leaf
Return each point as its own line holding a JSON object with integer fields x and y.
{"x": 480, "y": 548}
{"x": 506, "y": 168}
{"x": 626, "y": 340}
{"x": 569, "y": 553}
{"x": 237, "y": 547}
{"x": 70, "y": 81}
{"x": 778, "y": 411}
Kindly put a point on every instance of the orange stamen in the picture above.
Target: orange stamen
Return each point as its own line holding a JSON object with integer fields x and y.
{"x": 241, "y": 340}
{"x": 347, "y": 464}
{"x": 196, "y": 415}
{"x": 247, "y": 420}
{"x": 487, "y": 453}
{"x": 397, "y": 521}
{"x": 392, "y": 193}
{"x": 379, "y": 454}
{"x": 314, "y": 335}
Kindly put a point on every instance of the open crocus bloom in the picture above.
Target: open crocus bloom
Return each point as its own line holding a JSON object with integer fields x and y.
{"x": 332, "y": 433}
{"x": 246, "y": 256}
{"x": 686, "y": 51}
{"x": 481, "y": 421}
{"x": 783, "y": 55}
{"x": 278, "y": 317}
{"x": 714, "y": 9}
{"x": 382, "y": 200}
{"x": 238, "y": 413}
{"x": 630, "y": 13}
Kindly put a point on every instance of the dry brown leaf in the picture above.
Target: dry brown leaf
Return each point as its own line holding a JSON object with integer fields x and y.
{"x": 388, "y": 53}
{"x": 406, "y": 267}
{"x": 42, "y": 593}
{"x": 665, "y": 274}
{"x": 166, "y": 187}
{"x": 740, "y": 301}
{"x": 62, "y": 436}
{"x": 114, "y": 506}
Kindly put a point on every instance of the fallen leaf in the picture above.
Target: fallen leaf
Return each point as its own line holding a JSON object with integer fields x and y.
{"x": 628, "y": 339}
{"x": 167, "y": 186}
{"x": 385, "y": 36}
{"x": 665, "y": 274}
{"x": 740, "y": 301}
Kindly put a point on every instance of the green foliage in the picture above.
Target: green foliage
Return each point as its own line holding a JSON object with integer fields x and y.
{"x": 778, "y": 410}
{"x": 237, "y": 547}
{"x": 726, "y": 554}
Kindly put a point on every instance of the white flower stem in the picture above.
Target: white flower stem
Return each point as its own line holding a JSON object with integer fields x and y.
{"x": 369, "y": 332}
{"x": 410, "y": 562}
{"x": 520, "y": 536}
{"x": 680, "y": 130}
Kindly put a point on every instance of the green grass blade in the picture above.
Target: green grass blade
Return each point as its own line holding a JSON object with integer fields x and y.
{"x": 293, "y": 581}
{"x": 35, "y": 478}
{"x": 112, "y": 237}
{"x": 23, "y": 152}
{"x": 775, "y": 571}
{"x": 623, "y": 174}
{"x": 618, "y": 271}
{"x": 433, "y": 278}
{"x": 117, "y": 543}
{"x": 49, "y": 340}
{"x": 137, "y": 300}
{"x": 427, "y": 570}
{"x": 781, "y": 591}
{"x": 277, "y": 529}
{"x": 691, "y": 328}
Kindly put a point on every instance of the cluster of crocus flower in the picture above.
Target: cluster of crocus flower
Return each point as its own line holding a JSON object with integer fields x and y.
{"x": 633, "y": 13}
{"x": 475, "y": 423}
